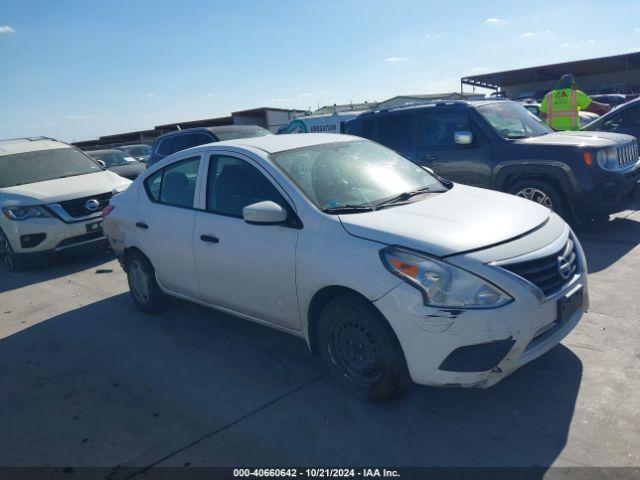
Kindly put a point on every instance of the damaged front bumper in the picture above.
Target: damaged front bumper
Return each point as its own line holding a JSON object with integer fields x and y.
{"x": 479, "y": 347}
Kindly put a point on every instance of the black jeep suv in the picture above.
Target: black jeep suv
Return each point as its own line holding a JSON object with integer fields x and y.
{"x": 498, "y": 144}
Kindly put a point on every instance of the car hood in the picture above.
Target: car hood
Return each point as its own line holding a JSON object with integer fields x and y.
{"x": 62, "y": 189}
{"x": 462, "y": 219}
{"x": 578, "y": 139}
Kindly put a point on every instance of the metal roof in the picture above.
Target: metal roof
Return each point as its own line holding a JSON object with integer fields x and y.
{"x": 594, "y": 66}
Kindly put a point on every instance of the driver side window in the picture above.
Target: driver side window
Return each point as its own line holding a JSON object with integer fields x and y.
{"x": 438, "y": 128}
{"x": 234, "y": 183}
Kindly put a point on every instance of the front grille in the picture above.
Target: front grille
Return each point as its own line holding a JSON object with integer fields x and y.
{"x": 76, "y": 207}
{"x": 628, "y": 153}
{"x": 549, "y": 273}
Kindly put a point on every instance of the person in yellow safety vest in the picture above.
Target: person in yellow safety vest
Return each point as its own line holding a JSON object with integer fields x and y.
{"x": 560, "y": 108}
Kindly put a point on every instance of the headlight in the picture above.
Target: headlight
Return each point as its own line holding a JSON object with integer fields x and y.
{"x": 24, "y": 213}
{"x": 608, "y": 159}
{"x": 442, "y": 284}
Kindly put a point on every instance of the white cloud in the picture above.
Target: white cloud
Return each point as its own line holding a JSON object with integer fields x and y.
{"x": 479, "y": 69}
{"x": 579, "y": 43}
{"x": 6, "y": 29}
{"x": 151, "y": 94}
{"x": 395, "y": 59}
{"x": 432, "y": 36}
{"x": 496, "y": 21}
{"x": 80, "y": 116}
{"x": 539, "y": 34}
{"x": 637, "y": 29}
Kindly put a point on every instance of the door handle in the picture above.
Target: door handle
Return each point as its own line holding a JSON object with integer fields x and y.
{"x": 209, "y": 239}
{"x": 142, "y": 225}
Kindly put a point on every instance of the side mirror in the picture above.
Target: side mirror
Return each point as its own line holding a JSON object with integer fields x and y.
{"x": 463, "y": 137}
{"x": 101, "y": 163}
{"x": 264, "y": 213}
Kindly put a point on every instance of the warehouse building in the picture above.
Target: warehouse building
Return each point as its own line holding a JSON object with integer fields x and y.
{"x": 269, "y": 118}
{"x": 615, "y": 74}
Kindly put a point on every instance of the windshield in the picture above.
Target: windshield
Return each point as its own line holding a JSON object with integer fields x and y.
{"x": 512, "y": 120}
{"x": 42, "y": 165}
{"x": 352, "y": 173}
{"x": 113, "y": 158}
{"x": 247, "y": 132}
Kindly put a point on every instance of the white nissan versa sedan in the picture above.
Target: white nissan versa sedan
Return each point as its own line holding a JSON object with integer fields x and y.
{"x": 51, "y": 196}
{"x": 386, "y": 270}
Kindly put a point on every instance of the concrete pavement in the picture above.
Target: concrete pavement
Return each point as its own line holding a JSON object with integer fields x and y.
{"x": 87, "y": 380}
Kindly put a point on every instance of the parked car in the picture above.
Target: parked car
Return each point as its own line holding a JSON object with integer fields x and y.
{"x": 118, "y": 162}
{"x": 387, "y": 271}
{"x": 140, "y": 152}
{"x": 624, "y": 119}
{"x": 498, "y": 144}
{"x": 51, "y": 196}
{"x": 585, "y": 117}
{"x": 179, "y": 140}
{"x": 612, "y": 99}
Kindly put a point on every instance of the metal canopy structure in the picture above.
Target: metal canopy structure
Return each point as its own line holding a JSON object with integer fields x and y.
{"x": 545, "y": 73}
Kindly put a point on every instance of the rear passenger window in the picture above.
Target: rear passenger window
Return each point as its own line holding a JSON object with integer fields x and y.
{"x": 438, "y": 128}
{"x": 395, "y": 130}
{"x": 202, "y": 138}
{"x": 165, "y": 147}
{"x": 175, "y": 184}
{"x": 182, "y": 142}
{"x": 233, "y": 184}
{"x": 152, "y": 185}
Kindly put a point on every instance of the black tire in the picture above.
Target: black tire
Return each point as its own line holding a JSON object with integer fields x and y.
{"x": 10, "y": 261}
{"x": 142, "y": 284}
{"x": 541, "y": 192}
{"x": 361, "y": 350}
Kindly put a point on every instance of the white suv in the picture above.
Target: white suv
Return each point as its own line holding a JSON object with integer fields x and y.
{"x": 51, "y": 198}
{"x": 386, "y": 270}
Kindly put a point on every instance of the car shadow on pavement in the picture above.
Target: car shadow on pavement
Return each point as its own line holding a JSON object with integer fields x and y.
{"x": 55, "y": 267}
{"x": 607, "y": 242}
{"x": 105, "y": 385}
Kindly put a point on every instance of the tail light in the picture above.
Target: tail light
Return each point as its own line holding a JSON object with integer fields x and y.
{"x": 107, "y": 210}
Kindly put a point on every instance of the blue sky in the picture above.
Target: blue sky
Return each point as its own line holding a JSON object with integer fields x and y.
{"x": 79, "y": 69}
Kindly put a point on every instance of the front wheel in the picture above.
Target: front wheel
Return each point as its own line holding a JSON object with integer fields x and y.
{"x": 359, "y": 347}
{"x": 142, "y": 284}
{"x": 541, "y": 192}
{"x": 8, "y": 257}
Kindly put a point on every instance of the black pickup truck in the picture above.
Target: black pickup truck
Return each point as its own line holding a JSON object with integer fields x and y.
{"x": 498, "y": 144}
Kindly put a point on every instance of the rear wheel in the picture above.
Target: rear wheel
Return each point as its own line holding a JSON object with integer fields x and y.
{"x": 361, "y": 350}
{"x": 541, "y": 192}
{"x": 9, "y": 259}
{"x": 142, "y": 284}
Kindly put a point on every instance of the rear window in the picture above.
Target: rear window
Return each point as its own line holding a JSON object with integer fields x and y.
{"x": 166, "y": 146}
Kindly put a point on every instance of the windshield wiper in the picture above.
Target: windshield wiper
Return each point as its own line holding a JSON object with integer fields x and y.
{"x": 349, "y": 209}
{"x": 403, "y": 197}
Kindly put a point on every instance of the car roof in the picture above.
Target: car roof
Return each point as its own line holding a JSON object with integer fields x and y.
{"x": 434, "y": 104}
{"x": 281, "y": 143}
{"x": 23, "y": 145}
{"x": 221, "y": 128}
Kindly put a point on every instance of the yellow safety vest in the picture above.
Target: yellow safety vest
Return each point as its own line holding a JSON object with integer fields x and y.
{"x": 562, "y": 115}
